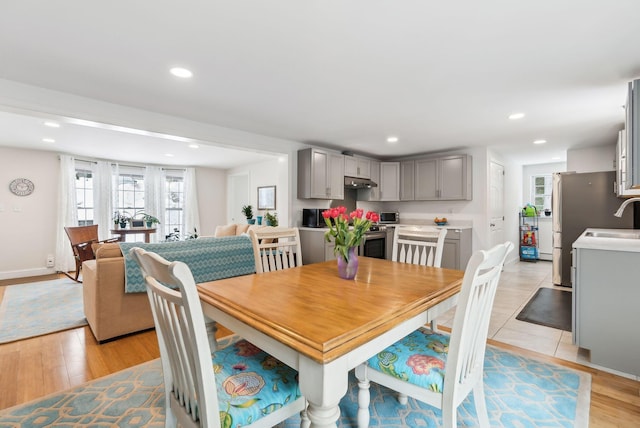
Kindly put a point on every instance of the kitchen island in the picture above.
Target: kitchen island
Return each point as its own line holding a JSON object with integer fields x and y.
{"x": 606, "y": 296}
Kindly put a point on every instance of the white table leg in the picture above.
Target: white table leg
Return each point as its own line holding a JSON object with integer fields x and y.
{"x": 323, "y": 386}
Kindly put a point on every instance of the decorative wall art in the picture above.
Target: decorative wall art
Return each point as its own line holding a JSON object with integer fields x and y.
{"x": 267, "y": 198}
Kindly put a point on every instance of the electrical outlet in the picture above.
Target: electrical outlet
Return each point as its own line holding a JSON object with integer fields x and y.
{"x": 50, "y": 261}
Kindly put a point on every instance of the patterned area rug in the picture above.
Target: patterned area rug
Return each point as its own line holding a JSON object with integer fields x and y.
{"x": 520, "y": 392}
{"x": 39, "y": 308}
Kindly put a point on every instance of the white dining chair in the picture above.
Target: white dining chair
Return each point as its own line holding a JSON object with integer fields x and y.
{"x": 438, "y": 369}
{"x": 238, "y": 385}
{"x": 421, "y": 245}
{"x": 276, "y": 248}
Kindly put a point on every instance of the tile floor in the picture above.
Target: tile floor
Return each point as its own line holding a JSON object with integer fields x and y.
{"x": 518, "y": 282}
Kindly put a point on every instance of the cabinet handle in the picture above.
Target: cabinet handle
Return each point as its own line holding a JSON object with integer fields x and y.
{"x": 492, "y": 224}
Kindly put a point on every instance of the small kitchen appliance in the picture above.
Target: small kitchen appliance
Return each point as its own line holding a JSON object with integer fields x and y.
{"x": 389, "y": 217}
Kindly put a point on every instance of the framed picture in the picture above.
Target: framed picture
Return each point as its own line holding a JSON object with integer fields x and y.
{"x": 267, "y": 198}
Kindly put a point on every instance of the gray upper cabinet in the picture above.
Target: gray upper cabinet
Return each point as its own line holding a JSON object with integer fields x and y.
{"x": 443, "y": 178}
{"x": 389, "y": 184}
{"x": 372, "y": 194}
{"x": 407, "y": 173}
{"x": 357, "y": 167}
{"x": 320, "y": 174}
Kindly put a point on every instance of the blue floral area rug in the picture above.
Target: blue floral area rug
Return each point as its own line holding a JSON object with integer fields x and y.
{"x": 38, "y": 308}
{"x": 520, "y": 392}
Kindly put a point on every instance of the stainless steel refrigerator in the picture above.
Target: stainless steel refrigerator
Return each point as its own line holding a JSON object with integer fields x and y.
{"x": 580, "y": 201}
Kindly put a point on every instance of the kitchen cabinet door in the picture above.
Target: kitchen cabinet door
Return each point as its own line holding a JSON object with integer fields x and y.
{"x": 372, "y": 194}
{"x": 443, "y": 178}
{"x": 453, "y": 177}
{"x": 357, "y": 167}
{"x": 389, "y": 181}
{"x": 426, "y": 182}
{"x": 320, "y": 174}
{"x": 407, "y": 173}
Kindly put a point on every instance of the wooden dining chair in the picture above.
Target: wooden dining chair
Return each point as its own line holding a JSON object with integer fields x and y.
{"x": 276, "y": 248}
{"x": 81, "y": 238}
{"x": 438, "y": 369}
{"x": 421, "y": 245}
{"x": 237, "y": 385}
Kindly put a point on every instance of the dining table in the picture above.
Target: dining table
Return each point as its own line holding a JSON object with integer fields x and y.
{"x": 324, "y": 326}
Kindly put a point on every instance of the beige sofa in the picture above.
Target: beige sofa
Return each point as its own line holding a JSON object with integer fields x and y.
{"x": 110, "y": 311}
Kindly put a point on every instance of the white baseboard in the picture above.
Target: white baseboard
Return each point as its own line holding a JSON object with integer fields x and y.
{"x": 26, "y": 273}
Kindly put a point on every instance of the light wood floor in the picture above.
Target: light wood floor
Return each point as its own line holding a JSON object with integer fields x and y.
{"x": 33, "y": 368}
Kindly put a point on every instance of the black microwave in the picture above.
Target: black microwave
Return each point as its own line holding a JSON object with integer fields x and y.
{"x": 389, "y": 217}
{"x": 312, "y": 217}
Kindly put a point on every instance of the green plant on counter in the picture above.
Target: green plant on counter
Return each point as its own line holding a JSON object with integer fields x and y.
{"x": 247, "y": 210}
{"x": 271, "y": 219}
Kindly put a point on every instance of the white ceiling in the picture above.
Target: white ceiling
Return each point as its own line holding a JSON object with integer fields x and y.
{"x": 347, "y": 74}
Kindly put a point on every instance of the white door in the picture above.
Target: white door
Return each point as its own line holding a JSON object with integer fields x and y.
{"x": 238, "y": 196}
{"x": 496, "y": 203}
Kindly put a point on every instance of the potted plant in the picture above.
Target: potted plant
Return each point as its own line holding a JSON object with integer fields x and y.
{"x": 120, "y": 218}
{"x": 247, "y": 210}
{"x": 149, "y": 220}
{"x": 271, "y": 219}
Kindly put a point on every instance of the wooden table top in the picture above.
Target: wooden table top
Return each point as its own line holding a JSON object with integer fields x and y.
{"x": 315, "y": 312}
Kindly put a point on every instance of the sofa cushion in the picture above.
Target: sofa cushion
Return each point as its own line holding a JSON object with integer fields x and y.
{"x": 242, "y": 228}
{"x": 226, "y": 230}
{"x": 107, "y": 250}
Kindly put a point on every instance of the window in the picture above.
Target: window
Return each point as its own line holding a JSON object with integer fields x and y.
{"x": 84, "y": 197}
{"x": 130, "y": 198}
{"x": 174, "y": 203}
{"x": 541, "y": 186}
{"x": 130, "y": 189}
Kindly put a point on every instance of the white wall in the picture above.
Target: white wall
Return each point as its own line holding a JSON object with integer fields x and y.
{"x": 212, "y": 199}
{"x": 269, "y": 173}
{"x": 592, "y": 159}
{"x": 28, "y": 222}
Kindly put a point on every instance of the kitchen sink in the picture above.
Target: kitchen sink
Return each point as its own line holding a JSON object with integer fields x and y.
{"x": 622, "y": 234}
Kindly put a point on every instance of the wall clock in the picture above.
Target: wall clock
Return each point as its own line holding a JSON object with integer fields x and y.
{"x": 21, "y": 186}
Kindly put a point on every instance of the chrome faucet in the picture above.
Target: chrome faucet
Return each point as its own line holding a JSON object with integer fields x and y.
{"x": 624, "y": 205}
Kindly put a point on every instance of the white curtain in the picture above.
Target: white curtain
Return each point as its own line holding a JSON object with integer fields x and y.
{"x": 67, "y": 213}
{"x": 191, "y": 216}
{"x": 103, "y": 198}
{"x": 154, "y": 196}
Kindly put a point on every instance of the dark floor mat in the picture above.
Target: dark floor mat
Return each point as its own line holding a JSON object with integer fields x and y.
{"x": 549, "y": 307}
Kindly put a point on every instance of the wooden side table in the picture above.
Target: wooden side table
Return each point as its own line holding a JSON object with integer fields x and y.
{"x": 147, "y": 231}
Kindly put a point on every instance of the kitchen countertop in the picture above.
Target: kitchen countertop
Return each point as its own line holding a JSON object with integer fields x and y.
{"x": 610, "y": 244}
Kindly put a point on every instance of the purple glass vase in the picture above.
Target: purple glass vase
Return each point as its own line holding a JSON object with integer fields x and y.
{"x": 347, "y": 269}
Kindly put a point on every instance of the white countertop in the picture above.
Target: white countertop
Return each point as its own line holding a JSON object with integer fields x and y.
{"x": 609, "y": 244}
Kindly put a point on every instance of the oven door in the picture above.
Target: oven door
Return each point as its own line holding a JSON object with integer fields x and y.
{"x": 374, "y": 245}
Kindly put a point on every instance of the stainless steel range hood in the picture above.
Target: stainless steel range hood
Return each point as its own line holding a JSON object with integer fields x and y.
{"x": 358, "y": 183}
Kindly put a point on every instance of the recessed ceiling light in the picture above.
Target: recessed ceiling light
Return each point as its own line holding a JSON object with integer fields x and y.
{"x": 48, "y": 140}
{"x": 194, "y": 146}
{"x": 539, "y": 141}
{"x": 392, "y": 139}
{"x": 169, "y": 155}
{"x": 181, "y": 72}
{"x": 556, "y": 158}
{"x": 52, "y": 124}
{"x": 516, "y": 116}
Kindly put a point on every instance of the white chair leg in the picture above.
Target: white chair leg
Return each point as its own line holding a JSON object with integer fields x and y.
{"x": 434, "y": 325}
{"x": 304, "y": 419}
{"x": 212, "y": 328}
{"x": 364, "y": 397}
{"x": 449, "y": 415}
{"x": 481, "y": 404}
{"x": 403, "y": 399}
